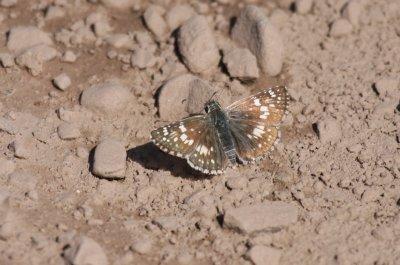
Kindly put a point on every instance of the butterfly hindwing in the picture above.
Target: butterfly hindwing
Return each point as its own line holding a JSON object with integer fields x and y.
{"x": 254, "y": 122}
{"x": 208, "y": 156}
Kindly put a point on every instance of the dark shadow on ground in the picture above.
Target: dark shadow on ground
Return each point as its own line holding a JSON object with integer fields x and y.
{"x": 150, "y": 157}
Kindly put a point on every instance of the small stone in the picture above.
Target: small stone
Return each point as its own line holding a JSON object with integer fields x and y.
{"x": 8, "y": 3}
{"x": 264, "y": 216}
{"x": 85, "y": 251}
{"x": 62, "y": 81}
{"x": 340, "y": 27}
{"x": 6, "y": 60}
{"x": 241, "y": 63}
{"x": 262, "y": 255}
{"x": 121, "y": 4}
{"x": 21, "y": 38}
{"x": 69, "y": 57}
{"x": 371, "y": 194}
{"x": 236, "y": 182}
{"x": 170, "y": 223}
{"x": 387, "y": 86}
{"x": 68, "y": 131}
{"x": 197, "y": 45}
{"x": 110, "y": 159}
{"x": 178, "y": 14}
{"x": 6, "y": 166}
{"x": 303, "y": 6}
{"x": 143, "y": 58}
{"x": 106, "y": 98}
{"x": 22, "y": 147}
{"x": 33, "y": 58}
{"x": 254, "y": 31}
{"x": 154, "y": 20}
{"x": 54, "y": 12}
{"x": 352, "y": 12}
{"x": 142, "y": 246}
{"x": 82, "y": 152}
{"x": 120, "y": 41}
{"x": 329, "y": 131}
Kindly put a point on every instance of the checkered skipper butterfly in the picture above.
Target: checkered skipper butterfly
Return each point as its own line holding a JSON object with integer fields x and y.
{"x": 244, "y": 131}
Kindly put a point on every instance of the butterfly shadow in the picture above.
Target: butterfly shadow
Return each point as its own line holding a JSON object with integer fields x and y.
{"x": 150, "y": 157}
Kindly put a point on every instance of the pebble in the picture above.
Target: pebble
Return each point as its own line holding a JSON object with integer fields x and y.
{"x": 372, "y": 194}
{"x": 264, "y": 216}
{"x": 33, "y": 58}
{"x": 110, "y": 159}
{"x": 21, "y": 38}
{"x": 53, "y": 12}
{"x": 62, "y": 81}
{"x": 155, "y": 22}
{"x": 106, "y": 98}
{"x": 6, "y": 166}
{"x": 254, "y": 31}
{"x": 68, "y": 131}
{"x": 85, "y": 251}
{"x": 178, "y": 14}
{"x": 176, "y": 94}
{"x": 143, "y": 58}
{"x": 142, "y": 246}
{"x": 170, "y": 223}
{"x": 329, "y": 130}
{"x": 8, "y": 3}
{"x": 69, "y": 57}
{"x": 22, "y": 147}
{"x": 236, "y": 182}
{"x": 387, "y": 86}
{"x": 340, "y": 27}
{"x": 263, "y": 255}
{"x": 120, "y": 41}
{"x": 241, "y": 63}
{"x": 82, "y": 152}
{"x": 121, "y": 4}
{"x": 6, "y": 60}
{"x": 197, "y": 45}
{"x": 303, "y": 6}
{"x": 352, "y": 12}
{"x": 9, "y": 225}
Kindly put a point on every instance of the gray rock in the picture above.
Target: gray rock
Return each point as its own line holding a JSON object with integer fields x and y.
{"x": 142, "y": 246}
{"x": 264, "y": 216}
{"x": 85, "y": 251}
{"x": 197, "y": 45}
{"x": 143, "y": 58}
{"x": 68, "y": 131}
{"x": 7, "y": 60}
{"x": 178, "y": 14}
{"x": 110, "y": 159}
{"x": 241, "y": 63}
{"x": 34, "y": 57}
{"x": 352, "y": 12}
{"x": 106, "y": 98}
{"x": 340, "y": 27}
{"x": 254, "y": 31}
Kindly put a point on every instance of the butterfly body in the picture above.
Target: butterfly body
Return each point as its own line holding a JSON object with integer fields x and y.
{"x": 244, "y": 131}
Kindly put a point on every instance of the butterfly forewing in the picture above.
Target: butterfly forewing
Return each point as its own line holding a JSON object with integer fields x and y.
{"x": 254, "y": 122}
{"x": 267, "y": 107}
{"x": 180, "y": 138}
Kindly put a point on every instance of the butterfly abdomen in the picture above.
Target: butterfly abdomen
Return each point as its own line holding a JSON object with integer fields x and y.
{"x": 224, "y": 135}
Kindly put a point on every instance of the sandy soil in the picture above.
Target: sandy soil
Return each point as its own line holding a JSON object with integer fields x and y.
{"x": 81, "y": 184}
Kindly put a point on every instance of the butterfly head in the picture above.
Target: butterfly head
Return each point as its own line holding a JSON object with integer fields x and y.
{"x": 211, "y": 106}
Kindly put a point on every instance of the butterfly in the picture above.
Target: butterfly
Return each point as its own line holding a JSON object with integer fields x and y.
{"x": 243, "y": 132}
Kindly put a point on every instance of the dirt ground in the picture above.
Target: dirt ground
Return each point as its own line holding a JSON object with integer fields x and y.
{"x": 83, "y": 83}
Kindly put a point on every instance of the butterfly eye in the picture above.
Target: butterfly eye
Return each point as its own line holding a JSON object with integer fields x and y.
{"x": 207, "y": 109}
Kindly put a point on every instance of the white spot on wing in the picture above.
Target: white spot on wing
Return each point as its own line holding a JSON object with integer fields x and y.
{"x": 183, "y": 137}
{"x": 257, "y": 102}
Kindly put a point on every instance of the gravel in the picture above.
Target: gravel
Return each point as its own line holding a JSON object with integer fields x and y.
{"x": 262, "y": 255}
{"x": 241, "y": 63}
{"x": 352, "y": 12}
{"x": 7, "y": 60}
{"x": 68, "y": 131}
{"x": 34, "y": 57}
{"x": 178, "y": 14}
{"x": 329, "y": 130}
{"x": 143, "y": 58}
{"x": 21, "y": 38}
{"x": 155, "y": 22}
{"x": 303, "y": 6}
{"x": 254, "y": 31}
{"x": 340, "y": 27}
{"x": 110, "y": 159}
{"x": 197, "y": 45}
{"x": 85, "y": 251}
{"x": 265, "y": 216}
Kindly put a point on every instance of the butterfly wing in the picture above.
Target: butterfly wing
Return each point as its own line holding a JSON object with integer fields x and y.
{"x": 194, "y": 139}
{"x": 254, "y": 122}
